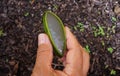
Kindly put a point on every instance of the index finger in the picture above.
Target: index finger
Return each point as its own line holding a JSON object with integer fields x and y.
{"x": 74, "y": 55}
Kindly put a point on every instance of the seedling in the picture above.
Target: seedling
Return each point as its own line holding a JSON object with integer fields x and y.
{"x": 55, "y": 6}
{"x": 110, "y": 49}
{"x": 106, "y": 66}
{"x": 54, "y": 27}
{"x": 87, "y": 48}
{"x": 75, "y": 28}
{"x": 114, "y": 19}
{"x": 113, "y": 72}
{"x": 103, "y": 43}
{"x": 79, "y": 26}
{"x": 98, "y": 31}
{"x": 26, "y": 14}
{"x": 113, "y": 28}
{"x": 101, "y": 31}
{"x": 1, "y": 32}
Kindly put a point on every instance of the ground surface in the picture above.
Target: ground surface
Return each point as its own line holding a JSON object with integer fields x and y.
{"x": 96, "y": 24}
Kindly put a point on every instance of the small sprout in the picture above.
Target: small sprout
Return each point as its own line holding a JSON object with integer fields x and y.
{"x": 110, "y": 49}
{"x": 113, "y": 72}
{"x": 55, "y": 6}
{"x": 95, "y": 34}
{"x": 101, "y": 31}
{"x": 75, "y": 28}
{"x": 114, "y": 19}
{"x": 98, "y": 31}
{"x": 113, "y": 29}
{"x": 94, "y": 28}
{"x": 103, "y": 43}
{"x": 1, "y": 32}
{"x": 108, "y": 28}
{"x": 82, "y": 30}
{"x": 106, "y": 66}
{"x": 80, "y": 26}
{"x": 87, "y": 48}
{"x": 26, "y": 14}
{"x": 99, "y": 12}
{"x": 107, "y": 35}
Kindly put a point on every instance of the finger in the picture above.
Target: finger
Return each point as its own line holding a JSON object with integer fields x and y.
{"x": 71, "y": 39}
{"x": 59, "y": 73}
{"x": 44, "y": 56}
{"x": 74, "y": 56}
{"x": 86, "y": 62}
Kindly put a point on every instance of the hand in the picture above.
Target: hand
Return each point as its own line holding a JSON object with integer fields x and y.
{"x": 76, "y": 60}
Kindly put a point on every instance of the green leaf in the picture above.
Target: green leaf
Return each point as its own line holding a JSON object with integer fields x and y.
{"x": 54, "y": 28}
{"x": 110, "y": 49}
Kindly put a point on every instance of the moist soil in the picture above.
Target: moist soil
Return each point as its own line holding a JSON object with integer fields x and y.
{"x": 95, "y": 23}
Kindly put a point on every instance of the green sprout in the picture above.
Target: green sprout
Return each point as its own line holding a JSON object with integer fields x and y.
{"x": 113, "y": 28}
{"x": 114, "y": 19}
{"x": 98, "y": 31}
{"x": 103, "y": 43}
{"x": 26, "y": 14}
{"x": 75, "y": 28}
{"x": 79, "y": 26}
{"x": 1, "y": 32}
{"x": 87, "y": 48}
{"x": 110, "y": 30}
{"x": 106, "y": 66}
{"x": 55, "y": 6}
{"x": 101, "y": 31}
{"x": 110, "y": 49}
{"x": 113, "y": 72}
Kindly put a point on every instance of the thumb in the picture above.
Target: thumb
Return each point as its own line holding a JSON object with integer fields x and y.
{"x": 44, "y": 55}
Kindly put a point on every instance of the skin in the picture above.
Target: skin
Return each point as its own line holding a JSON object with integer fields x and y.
{"x": 76, "y": 60}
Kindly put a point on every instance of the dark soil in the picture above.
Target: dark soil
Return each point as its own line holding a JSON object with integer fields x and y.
{"x": 21, "y": 22}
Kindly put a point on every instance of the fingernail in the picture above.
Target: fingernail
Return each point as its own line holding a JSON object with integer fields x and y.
{"x": 42, "y": 39}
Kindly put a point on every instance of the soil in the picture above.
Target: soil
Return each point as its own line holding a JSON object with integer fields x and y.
{"x": 21, "y": 22}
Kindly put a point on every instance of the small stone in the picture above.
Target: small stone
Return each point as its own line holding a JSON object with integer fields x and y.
{"x": 117, "y": 10}
{"x": 3, "y": 15}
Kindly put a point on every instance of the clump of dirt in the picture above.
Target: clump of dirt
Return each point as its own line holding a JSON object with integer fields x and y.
{"x": 96, "y": 24}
